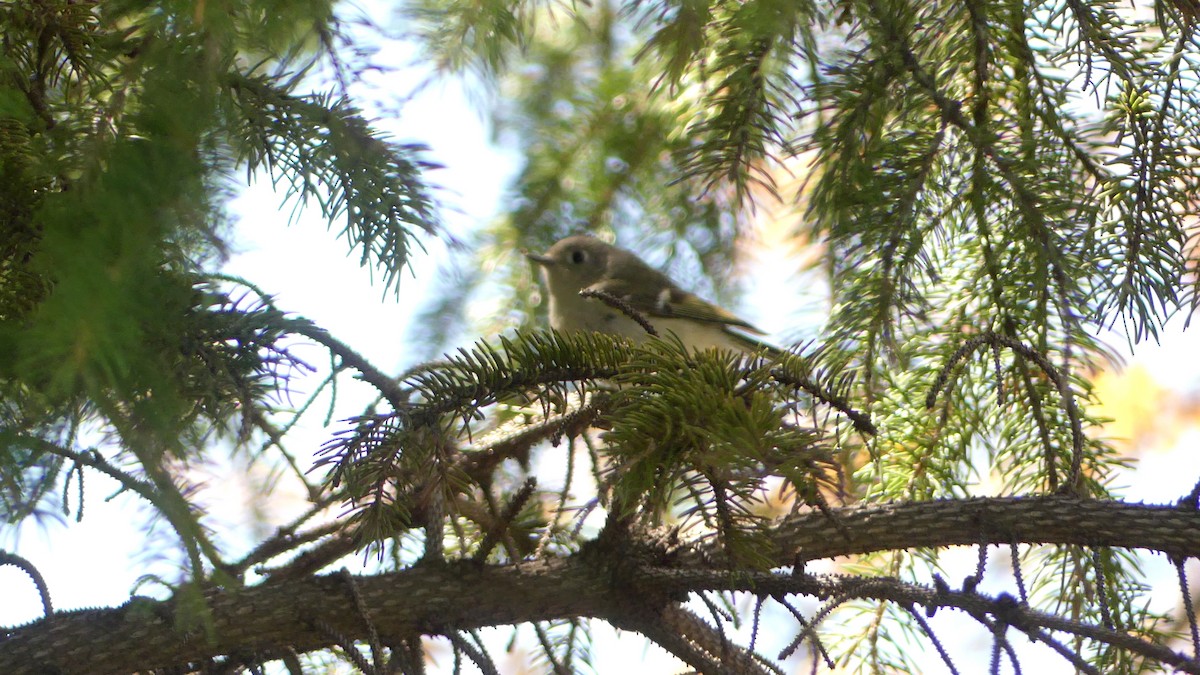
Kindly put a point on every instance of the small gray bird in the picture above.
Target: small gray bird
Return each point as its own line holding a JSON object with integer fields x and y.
{"x": 582, "y": 262}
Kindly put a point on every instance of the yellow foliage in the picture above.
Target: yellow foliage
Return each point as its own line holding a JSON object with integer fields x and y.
{"x": 1144, "y": 414}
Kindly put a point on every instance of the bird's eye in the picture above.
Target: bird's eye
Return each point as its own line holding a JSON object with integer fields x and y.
{"x": 578, "y": 257}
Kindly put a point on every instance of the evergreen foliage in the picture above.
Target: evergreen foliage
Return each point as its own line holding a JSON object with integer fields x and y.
{"x": 123, "y": 126}
{"x": 989, "y": 186}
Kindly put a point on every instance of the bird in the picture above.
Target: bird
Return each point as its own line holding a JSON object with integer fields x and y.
{"x": 609, "y": 277}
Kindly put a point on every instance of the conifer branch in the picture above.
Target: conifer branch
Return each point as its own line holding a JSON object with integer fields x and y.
{"x": 388, "y": 387}
{"x": 622, "y": 306}
{"x": 35, "y": 576}
{"x": 1060, "y": 383}
{"x": 438, "y": 599}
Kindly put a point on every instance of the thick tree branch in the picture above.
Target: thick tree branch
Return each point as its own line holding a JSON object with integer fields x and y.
{"x": 140, "y": 635}
{"x": 969, "y": 522}
{"x": 439, "y": 599}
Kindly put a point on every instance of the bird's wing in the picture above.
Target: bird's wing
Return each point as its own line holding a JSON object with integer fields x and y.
{"x": 673, "y": 302}
{"x": 687, "y": 306}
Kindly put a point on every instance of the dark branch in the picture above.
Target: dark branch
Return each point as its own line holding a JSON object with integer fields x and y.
{"x": 971, "y": 522}
{"x": 388, "y": 387}
{"x": 624, "y": 307}
{"x": 29, "y": 568}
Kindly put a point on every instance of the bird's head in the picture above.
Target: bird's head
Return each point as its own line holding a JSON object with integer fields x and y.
{"x": 574, "y": 263}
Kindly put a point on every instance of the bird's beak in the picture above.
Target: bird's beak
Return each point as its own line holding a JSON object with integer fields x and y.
{"x": 539, "y": 259}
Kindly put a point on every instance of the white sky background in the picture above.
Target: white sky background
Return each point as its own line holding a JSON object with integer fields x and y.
{"x": 96, "y": 562}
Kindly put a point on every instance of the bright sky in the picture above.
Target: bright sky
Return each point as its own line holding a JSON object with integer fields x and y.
{"x": 96, "y": 562}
